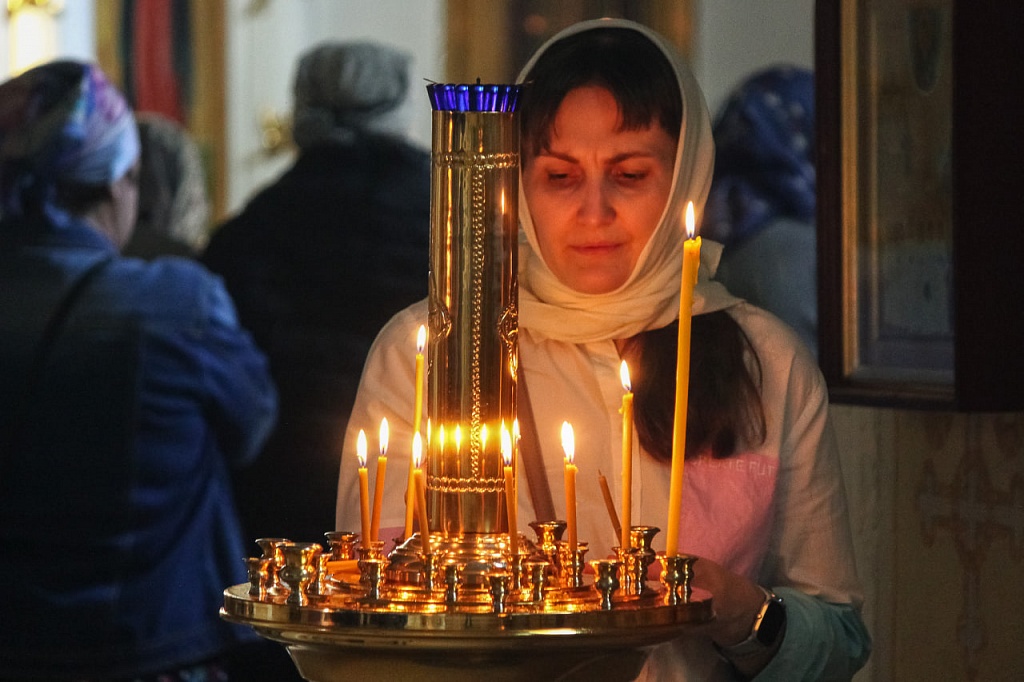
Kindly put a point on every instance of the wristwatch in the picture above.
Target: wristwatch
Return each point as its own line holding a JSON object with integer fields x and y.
{"x": 769, "y": 626}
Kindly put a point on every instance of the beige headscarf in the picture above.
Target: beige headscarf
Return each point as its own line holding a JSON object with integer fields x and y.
{"x": 649, "y": 299}
{"x": 174, "y": 205}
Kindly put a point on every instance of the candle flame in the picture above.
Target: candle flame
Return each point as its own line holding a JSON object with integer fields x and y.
{"x": 361, "y": 448}
{"x": 458, "y": 437}
{"x": 483, "y": 436}
{"x": 624, "y": 376}
{"x": 690, "y": 228}
{"x": 568, "y": 442}
{"x": 384, "y": 436}
{"x": 421, "y": 339}
{"x": 506, "y": 445}
{"x": 417, "y": 450}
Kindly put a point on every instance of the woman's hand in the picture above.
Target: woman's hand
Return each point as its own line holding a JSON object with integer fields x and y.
{"x": 736, "y": 602}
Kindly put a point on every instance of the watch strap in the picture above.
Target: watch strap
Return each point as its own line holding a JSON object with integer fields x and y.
{"x": 769, "y": 625}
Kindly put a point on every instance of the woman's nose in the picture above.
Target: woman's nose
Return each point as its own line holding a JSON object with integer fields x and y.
{"x": 595, "y": 205}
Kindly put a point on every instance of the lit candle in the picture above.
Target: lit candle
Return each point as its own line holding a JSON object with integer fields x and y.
{"x": 417, "y": 418}
{"x": 627, "y": 456}
{"x": 378, "y": 483}
{"x": 510, "y": 491}
{"x": 364, "y": 490}
{"x": 569, "y": 446}
{"x": 691, "y": 261}
{"x": 420, "y": 486}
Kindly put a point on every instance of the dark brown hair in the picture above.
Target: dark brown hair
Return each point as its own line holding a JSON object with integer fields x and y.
{"x": 724, "y": 402}
{"x": 621, "y": 60}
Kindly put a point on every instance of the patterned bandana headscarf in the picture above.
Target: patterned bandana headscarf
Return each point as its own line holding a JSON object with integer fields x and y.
{"x": 764, "y": 167}
{"x": 61, "y": 122}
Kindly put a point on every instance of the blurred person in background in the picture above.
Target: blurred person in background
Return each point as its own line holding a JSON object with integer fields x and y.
{"x": 318, "y": 262}
{"x": 174, "y": 205}
{"x": 763, "y": 196}
{"x": 129, "y": 391}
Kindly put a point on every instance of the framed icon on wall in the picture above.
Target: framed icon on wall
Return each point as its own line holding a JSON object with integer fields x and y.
{"x": 920, "y": 234}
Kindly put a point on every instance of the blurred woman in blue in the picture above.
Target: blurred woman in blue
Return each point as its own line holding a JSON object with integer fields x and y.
{"x": 128, "y": 392}
{"x": 762, "y": 201}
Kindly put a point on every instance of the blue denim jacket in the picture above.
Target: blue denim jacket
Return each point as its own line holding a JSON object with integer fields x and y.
{"x": 118, "y": 530}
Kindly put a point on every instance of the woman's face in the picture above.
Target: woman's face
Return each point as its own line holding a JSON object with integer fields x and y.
{"x": 596, "y": 192}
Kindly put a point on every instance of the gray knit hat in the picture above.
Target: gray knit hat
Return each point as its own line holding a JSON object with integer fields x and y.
{"x": 341, "y": 88}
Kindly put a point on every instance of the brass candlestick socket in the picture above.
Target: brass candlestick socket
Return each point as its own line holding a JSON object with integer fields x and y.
{"x": 676, "y": 576}
{"x": 272, "y": 551}
{"x": 571, "y": 564}
{"x": 322, "y": 584}
{"x": 538, "y": 572}
{"x": 516, "y": 566}
{"x": 342, "y": 544}
{"x": 549, "y": 534}
{"x": 499, "y": 584}
{"x": 372, "y": 550}
{"x": 257, "y": 569}
{"x": 606, "y": 581}
{"x": 451, "y": 583}
{"x": 299, "y": 570}
{"x": 371, "y": 577}
{"x": 641, "y": 539}
{"x": 631, "y": 570}
{"x": 429, "y": 563}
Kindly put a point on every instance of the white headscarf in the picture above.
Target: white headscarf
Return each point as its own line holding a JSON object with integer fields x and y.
{"x": 649, "y": 299}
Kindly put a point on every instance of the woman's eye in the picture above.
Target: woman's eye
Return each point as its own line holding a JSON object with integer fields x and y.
{"x": 631, "y": 176}
{"x": 560, "y": 178}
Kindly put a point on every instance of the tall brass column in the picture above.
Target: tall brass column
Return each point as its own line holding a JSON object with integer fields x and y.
{"x": 472, "y": 357}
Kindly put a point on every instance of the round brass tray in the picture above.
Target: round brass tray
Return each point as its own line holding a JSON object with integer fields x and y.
{"x": 341, "y": 637}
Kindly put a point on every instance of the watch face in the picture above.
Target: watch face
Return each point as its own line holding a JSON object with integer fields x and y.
{"x": 771, "y": 623}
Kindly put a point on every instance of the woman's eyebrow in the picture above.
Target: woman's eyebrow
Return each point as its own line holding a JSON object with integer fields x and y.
{"x": 618, "y": 158}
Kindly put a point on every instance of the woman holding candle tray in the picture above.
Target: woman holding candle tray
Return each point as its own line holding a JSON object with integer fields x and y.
{"x": 616, "y": 141}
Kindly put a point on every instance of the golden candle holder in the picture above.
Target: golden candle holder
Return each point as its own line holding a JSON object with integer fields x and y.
{"x": 437, "y": 616}
{"x": 464, "y": 604}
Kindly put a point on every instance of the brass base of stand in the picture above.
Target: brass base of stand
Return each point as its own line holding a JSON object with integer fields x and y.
{"x": 481, "y": 613}
{"x": 338, "y": 637}
{"x": 330, "y": 664}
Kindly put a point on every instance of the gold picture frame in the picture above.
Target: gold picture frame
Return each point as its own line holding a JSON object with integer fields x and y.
{"x": 913, "y": 311}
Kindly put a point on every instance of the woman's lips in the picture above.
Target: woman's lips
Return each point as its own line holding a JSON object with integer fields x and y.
{"x": 595, "y": 249}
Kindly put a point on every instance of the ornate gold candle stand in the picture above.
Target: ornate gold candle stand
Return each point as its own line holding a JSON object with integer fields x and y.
{"x": 464, "y": 606}
{"x": 461, "y": 610}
